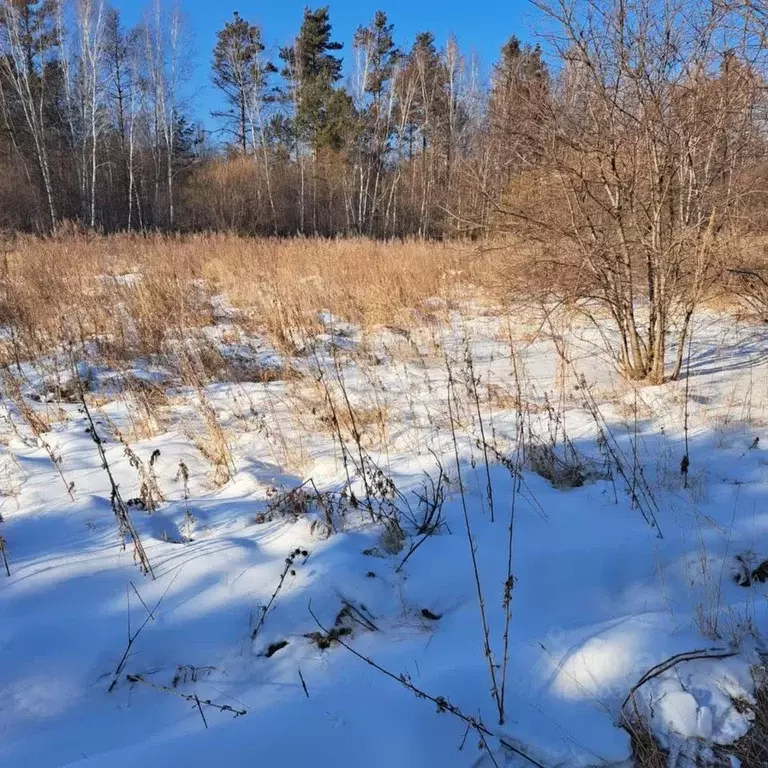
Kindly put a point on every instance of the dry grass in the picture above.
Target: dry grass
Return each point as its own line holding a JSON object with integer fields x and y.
{"x": 752, "y": 750}
{"x": 646, "y": 751}
{"x": 310, "y": 406}
{"x": 210, "y": 438}
{"x": 136, "y": 295}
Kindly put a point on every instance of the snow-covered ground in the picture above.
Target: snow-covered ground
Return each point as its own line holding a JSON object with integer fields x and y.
{"x": 612, "y": 576}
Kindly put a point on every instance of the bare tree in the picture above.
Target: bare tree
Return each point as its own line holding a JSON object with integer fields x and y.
{"x": 26, "y": 40}
{"x": 90, "y": 23}
{"x": 639, "y": 149}
{"x": 164, "y": 38}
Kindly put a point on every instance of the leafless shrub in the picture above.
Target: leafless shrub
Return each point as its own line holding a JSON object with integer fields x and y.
{"x": 561, "y": 471}
{"x": 751, "y": 288}
{"x": 633, "y": 224}
{"x": 328, "y": 510}
{"x": 430, "y": 511}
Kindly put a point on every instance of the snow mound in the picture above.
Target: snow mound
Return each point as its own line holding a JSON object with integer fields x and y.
{"x": 696, "y": 704}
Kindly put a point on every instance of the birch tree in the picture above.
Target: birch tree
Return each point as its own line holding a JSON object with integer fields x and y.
{"x": 27, "y": 38}
{"x": 91, "y": 23}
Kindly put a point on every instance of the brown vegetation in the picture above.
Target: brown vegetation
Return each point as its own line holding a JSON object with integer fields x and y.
{"x": 137, "y": 295}
{"x": 627, "y": 154}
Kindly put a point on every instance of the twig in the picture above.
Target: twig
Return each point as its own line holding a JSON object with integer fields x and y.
{"x": 141, "y": 600}
{"x": 125, "y": 524}
{"x": 192, "y": 697}
{"x": 303, "y": 684}
{"x": 411, "y": 551}
{"x": 510, "y": 580}
{"x": 725, "y": 555}
{"x": 641, "y": 493}
{"x": 686, "y": 460}
{"x": 289, "y": 563}
{"x": 361, "y": 618}
{"x": 356, "y": 436}
{"x": 752, "y": 447}
{"x": 432, "y": 500}
{"x": 345, "y": 455}
{"x": 133, "y": 637}
{"x": 705, "y": 653}
{"x": 442, "y": 704}
{"x": 473, "y": 382}
{"x": 470, "y": 538}
{"x": 200, "y": 708}
{"x": 5, "y": 556}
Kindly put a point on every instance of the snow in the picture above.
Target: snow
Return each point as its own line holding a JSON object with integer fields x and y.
{"x": 698, "y": 700}
{"x": 598, "y": 597}
{"x": 127, "y": 279}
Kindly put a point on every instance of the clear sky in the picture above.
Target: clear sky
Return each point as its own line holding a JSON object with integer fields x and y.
{"x": 481, "y": 26}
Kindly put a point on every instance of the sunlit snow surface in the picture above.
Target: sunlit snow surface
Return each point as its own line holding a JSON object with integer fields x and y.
{"x": 598, "y": 598}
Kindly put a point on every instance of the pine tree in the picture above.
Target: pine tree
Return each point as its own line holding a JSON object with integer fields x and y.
{"x": 381, "y": 55}
{"x": 426, "y": 68}
{"x": 322, "y": 112}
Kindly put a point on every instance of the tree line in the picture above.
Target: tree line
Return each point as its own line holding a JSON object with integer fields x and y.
{"x": 94, "y": 128}
{"x": 630, "y": 162}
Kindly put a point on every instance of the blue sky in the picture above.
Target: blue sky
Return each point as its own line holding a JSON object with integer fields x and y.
{"x": 479, "y": 25}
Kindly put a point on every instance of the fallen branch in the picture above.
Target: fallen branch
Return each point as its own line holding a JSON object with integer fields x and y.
{"x": 659, "y": 669}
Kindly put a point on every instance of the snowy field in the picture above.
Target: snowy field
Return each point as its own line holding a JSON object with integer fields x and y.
{"x": 326, "y": 578}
